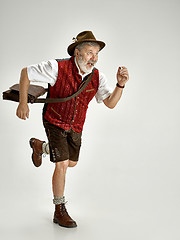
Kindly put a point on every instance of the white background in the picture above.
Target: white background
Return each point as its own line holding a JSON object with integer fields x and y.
{"x": 126, "y": 184}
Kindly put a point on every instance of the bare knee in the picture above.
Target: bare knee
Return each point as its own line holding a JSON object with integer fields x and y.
{"x": 62, "y": 166}
{"x": 72, "y": 163}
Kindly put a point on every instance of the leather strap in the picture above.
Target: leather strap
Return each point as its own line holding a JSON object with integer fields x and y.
{"x": 57, "y": 100}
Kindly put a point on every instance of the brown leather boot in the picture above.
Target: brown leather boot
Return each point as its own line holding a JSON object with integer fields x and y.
{"x": 36, "y": 146}
{"x": 62, "y": 217}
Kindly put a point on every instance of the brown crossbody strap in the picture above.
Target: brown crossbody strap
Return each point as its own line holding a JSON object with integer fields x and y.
{"x": 57, "y": 100}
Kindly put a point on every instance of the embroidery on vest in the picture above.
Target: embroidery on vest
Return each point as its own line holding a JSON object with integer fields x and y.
{"x": 55, "y": 112}
{"x": 89, "y": 90}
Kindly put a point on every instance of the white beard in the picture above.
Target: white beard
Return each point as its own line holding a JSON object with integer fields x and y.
{"x": 83, "y": 65}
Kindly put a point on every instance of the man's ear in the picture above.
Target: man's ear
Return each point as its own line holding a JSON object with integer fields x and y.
{"x": 76, "y": 52}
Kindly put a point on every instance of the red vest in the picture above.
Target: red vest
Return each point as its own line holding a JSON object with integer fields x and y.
{"x": 70, "y": 114}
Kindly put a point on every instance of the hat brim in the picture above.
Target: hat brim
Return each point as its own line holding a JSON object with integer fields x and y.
{"x": 72, "y": 47}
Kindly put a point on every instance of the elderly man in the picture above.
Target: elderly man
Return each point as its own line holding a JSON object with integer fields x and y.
{"x": 64, "y": 121}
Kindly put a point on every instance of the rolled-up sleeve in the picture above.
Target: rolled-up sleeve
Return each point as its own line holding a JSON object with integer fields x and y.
{"x": 45, "y": 72}
{"x": 104, "y": 90}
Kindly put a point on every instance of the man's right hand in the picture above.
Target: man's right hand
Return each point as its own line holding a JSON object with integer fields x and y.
{"x": 23, "y": 111}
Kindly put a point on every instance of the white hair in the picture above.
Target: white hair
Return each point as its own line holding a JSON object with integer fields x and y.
{"x": 81, "y": 45}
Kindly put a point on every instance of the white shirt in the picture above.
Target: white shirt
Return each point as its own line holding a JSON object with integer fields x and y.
{"x": 47, "y": 72}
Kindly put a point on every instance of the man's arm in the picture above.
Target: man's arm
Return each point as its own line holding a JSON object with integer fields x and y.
{"x": 23, "y": 109}
{"x": 122, "y": 78}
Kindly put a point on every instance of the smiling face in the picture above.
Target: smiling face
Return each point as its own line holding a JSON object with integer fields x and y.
{"x": 87, "y": 57}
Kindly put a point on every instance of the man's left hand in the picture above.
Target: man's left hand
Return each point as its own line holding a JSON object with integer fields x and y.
{"x": 122, "y": 76}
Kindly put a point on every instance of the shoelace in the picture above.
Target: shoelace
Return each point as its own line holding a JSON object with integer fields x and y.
{"x": 63, "y": 208}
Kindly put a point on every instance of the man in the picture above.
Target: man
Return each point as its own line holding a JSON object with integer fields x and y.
{"x": 64, "y": 121}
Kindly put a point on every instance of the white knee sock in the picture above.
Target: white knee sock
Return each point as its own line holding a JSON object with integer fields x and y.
{"x": 45, "y": 148}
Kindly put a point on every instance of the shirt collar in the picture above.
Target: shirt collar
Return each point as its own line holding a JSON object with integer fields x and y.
{"x": 82, "y": 75}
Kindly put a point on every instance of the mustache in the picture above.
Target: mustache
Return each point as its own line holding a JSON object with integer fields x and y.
{"x": 92, "y": 62}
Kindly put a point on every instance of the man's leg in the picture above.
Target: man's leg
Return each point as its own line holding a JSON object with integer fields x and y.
{"x": 61, "y": 215}
{"x": 58, "y": 180}
{"x": 59, "y": 176}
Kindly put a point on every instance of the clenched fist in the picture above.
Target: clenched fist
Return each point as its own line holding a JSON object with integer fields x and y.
{"x": 23, "y": 111}
{"x": 122, "y": 76}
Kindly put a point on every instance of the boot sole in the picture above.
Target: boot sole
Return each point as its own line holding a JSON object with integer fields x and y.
{"x": 63, "y": 225}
